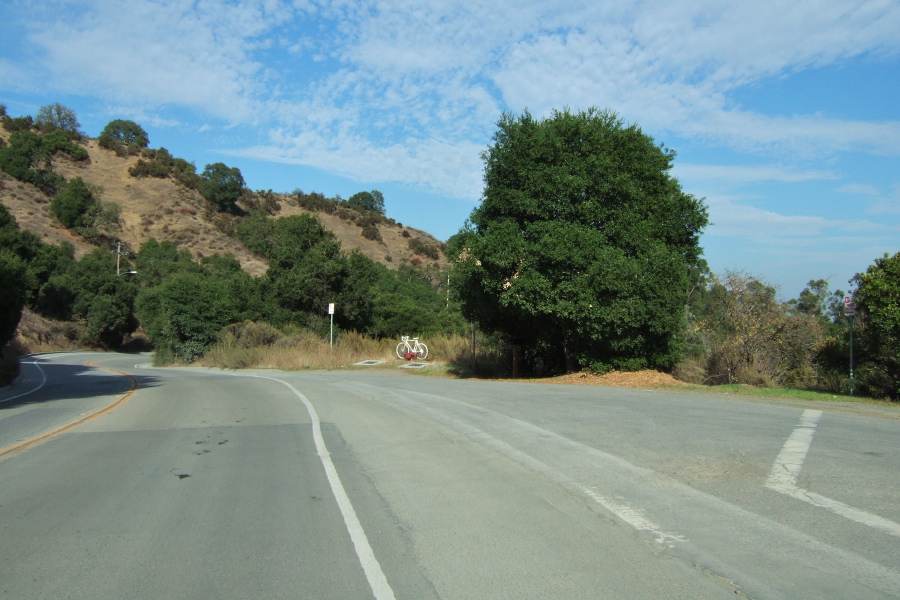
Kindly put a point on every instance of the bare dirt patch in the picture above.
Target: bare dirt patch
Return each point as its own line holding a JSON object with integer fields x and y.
{"x": 637, "y": 379}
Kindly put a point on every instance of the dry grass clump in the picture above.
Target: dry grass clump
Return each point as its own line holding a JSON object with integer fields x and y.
{"x": 259, "y": 345}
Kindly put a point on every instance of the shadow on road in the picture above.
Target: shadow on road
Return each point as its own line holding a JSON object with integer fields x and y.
{"x": 67, "y": 382}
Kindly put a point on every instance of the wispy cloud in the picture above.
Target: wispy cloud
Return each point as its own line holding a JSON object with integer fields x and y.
{"x": 409, "y": 92}
{"x": 748, "y": 174}
{"x": 881, "y": 202}
{"x": 734, "y": 217}
{"x": 412, "y": 72}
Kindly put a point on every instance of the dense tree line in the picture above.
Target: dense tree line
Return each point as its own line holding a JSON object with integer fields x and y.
{"x": 583, "y": 254}
{"x": 183, "y": 303}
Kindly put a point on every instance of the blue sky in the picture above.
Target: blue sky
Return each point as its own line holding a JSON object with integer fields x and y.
{"x": 785, "y": 116}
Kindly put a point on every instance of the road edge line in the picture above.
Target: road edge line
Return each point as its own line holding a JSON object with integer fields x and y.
{"x": 371, "y": 567}
{"x": 32, "y": 390}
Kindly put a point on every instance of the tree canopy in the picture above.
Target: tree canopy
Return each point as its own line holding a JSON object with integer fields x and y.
{"x": 57, "y": 116}
{"x": 73, "y": 203}
{"x": 373, "y": 201}
{"x": 122, "y": 133}
{"x": 222, "y": 186}
{"x": 13, "y": 279}
{"x": 582, "y": 246}
{"x": 879, "y": 300}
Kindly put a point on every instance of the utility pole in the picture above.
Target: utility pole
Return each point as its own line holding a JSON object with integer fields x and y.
{"x": 119, "y": 255}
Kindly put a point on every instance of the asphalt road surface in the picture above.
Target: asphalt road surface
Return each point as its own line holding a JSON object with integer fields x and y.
{"x": 118, "y": 480}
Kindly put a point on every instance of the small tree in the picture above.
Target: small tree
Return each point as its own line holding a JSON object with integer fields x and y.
{"x": 57, "y": 116}
{"x": 222, "y": 186}
{"x": 752, "y": 338}
{"x": 125, "y": 137}
{"x": 373, "y": 201}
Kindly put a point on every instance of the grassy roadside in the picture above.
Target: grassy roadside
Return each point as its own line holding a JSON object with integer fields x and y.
{"x": 749, "y": 390}
{"x": 258, "y": 345}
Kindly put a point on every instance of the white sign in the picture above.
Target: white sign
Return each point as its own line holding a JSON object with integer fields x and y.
{"x": 331, "y": 308}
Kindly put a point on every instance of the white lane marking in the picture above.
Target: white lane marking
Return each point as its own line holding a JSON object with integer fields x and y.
{"x": 635, "y": 517}
{"x": 371, "y": 566}
{"x": 786, "y": 470}
{"x": 33, "y": 390}
{"x": 632, "y": 516}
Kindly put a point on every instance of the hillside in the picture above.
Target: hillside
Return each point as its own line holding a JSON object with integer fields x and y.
{"x": 167, "y": 211}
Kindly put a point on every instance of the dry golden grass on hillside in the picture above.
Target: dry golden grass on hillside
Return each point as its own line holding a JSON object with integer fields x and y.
{"x": 165, "y": 210}
{"x": 31, "y": 209}
{"x": 156, "y": 208}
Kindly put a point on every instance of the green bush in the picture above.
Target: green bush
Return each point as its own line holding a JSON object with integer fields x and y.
{"x": 159, "y": 164}
{"x": 184, "y": 315}
{"x": 367, "y": 201}
{"x": 18, "y": 123}
{"x": 423, "y": 248}
{"x": 316, "y": 202}
{"x": 73, "y": 203}
{"x": 370, "y": 232}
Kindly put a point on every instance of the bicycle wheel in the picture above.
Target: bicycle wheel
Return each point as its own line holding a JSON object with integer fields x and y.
{"x": 402, "y": 349}
{"x": 423, "y": 351}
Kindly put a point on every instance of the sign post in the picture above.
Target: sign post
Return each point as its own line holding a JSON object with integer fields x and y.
{"x": 850, "y": 311}
{"x": 331, "y": 330}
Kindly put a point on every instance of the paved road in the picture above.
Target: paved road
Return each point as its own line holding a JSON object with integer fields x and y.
{"x": 381, "y": 484}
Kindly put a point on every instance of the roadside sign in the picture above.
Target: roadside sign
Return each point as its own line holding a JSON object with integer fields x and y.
{"x": 331, "y": 308}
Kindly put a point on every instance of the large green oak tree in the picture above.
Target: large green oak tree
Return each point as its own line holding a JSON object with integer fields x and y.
{"x": 581, "y": 249}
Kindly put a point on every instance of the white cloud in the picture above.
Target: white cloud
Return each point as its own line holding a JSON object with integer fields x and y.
{"x": 859, "y": 189}
{"x": 671, "y": 66}
{"x": 731, "y": 216}
{"x": 418, "y": 85}
{"x": 881, "y": 203}
{"x": 747, "y": 174}
{"x": 182, "y": 54}
{"x": 445, "y": 168}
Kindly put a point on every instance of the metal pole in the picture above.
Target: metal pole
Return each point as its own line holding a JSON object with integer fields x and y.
{"x": 331, "y": 334}
{"x": 851, "y": 355}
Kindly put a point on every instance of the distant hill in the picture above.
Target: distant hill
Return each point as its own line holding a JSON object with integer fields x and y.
{"x": 166, "y": 210}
